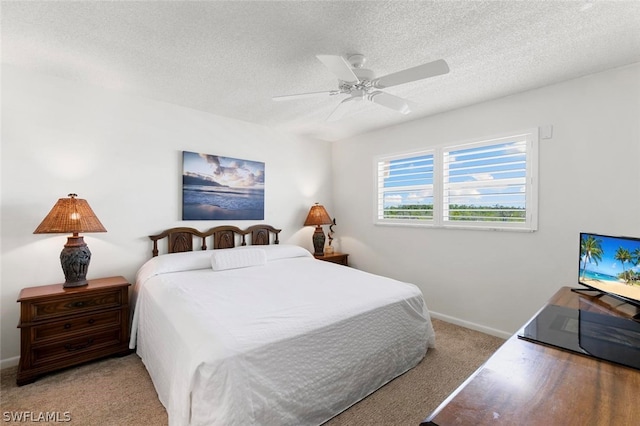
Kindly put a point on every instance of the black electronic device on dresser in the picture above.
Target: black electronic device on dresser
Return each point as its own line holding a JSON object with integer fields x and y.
{"x": 606, "y": 328}
{"x": 611, "y": 265}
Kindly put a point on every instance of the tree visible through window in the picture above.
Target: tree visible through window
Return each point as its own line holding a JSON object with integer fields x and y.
{"x": 484, "y": 183}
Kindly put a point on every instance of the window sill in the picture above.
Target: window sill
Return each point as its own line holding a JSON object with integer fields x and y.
{"x": 465, "y": 227}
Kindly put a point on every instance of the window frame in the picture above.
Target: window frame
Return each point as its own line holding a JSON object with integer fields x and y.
{"x": 400, "y": 156}
{"x": 531, "y": 139}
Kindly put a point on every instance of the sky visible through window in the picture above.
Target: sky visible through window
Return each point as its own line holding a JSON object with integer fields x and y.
{"x": 486, "y": 181}
{"x": 488, "y": 176}
{"x": 411, "y": 180}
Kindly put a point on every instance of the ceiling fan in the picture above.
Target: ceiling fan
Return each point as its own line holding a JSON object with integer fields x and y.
{"x": 361, "y": 84}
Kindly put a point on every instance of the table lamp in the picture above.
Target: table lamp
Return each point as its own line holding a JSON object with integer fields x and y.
{"x": 317, "y": 217}
{"x": 72, "y": 215}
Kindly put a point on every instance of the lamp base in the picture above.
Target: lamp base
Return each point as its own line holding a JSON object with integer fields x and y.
{"x": 318, "y": 241}
{"x": 75, "y": 258}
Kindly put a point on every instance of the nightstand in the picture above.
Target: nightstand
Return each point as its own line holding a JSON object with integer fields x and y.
{"x": 61, "y": 327}
{"x": 339, "y": 258}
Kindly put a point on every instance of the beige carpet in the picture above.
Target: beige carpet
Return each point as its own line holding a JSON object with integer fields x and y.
{"x": 118, "y": 391}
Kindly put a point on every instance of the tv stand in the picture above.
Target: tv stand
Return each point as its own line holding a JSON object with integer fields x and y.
{"x": 580, "y": 290}
{"x": 527, "y": 382}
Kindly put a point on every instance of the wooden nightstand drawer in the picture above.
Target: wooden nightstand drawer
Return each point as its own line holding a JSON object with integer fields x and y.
{"x": 74, "y": 305}
{"x": 84, "y": 324}
{"x": 72, "y": 348}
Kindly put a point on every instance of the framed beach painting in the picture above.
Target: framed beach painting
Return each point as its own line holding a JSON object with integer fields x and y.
{"x": 221, "y": 188}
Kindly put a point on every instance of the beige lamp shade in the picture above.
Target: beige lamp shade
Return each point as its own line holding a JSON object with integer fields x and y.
{"x": 317, "y": 216}
{"x": 70, "y": 215}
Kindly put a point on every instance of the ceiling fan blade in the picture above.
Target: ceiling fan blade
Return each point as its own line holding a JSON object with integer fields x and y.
{"x": 341, "y": 109}
{"x": 339, "y": 66}
{"x": 420, "y": 72}
{"x": 390, "y": 101}
{"x": 305, "y": 95}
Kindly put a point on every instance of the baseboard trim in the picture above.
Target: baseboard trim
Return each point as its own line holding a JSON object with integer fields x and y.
{"x": 9, "y": 362}
{"x": 471, "y": 325}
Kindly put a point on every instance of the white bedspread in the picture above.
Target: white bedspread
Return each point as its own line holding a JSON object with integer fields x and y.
{"x": 292, "y": 342}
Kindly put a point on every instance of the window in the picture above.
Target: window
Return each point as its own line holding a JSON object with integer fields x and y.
{"x": 487, "y": 184}
{"x": 405, "y": 188}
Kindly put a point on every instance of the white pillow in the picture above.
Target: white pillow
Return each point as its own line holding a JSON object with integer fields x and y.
{"x": 174, "y": 262}
{"x": 279, "y": 251}
{"x": 224, "y": 259}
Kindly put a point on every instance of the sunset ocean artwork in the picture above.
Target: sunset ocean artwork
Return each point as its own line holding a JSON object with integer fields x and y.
{"x": 221, "y": 188}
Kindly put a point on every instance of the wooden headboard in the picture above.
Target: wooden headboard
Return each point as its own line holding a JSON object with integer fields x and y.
{"x": 181, "y": 239}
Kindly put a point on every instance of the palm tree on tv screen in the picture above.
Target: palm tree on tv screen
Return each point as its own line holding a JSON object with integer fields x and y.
{"x": 635, "y": 259}
{"x": 623, "y": 256}
{"x": 590, "y": 251}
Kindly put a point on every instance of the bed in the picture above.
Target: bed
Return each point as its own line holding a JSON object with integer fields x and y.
{"x": 255, "y": 332}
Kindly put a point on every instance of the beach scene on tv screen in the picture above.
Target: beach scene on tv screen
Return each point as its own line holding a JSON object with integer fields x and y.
{"x": 611, "y": 264}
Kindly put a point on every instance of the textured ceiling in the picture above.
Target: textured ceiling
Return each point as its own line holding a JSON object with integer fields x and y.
{"x": 230, "y": 58}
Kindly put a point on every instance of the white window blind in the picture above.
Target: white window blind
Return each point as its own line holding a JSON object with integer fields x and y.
{"x": 405, "y": 188}
{"x": 490, "y": 184}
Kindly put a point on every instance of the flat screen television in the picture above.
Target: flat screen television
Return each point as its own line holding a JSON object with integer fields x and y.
{"x": 611, "y": 265}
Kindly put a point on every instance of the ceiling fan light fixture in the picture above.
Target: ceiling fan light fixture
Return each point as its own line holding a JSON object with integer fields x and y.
{"x": 358, "y": 94}
{"x": 359, "y": 83}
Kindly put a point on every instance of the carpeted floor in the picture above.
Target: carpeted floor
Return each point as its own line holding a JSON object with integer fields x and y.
{"x": 118, "y": 391}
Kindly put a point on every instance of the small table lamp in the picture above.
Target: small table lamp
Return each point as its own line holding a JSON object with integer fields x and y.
{"x": 317, "y": 217}
{"x": 72, "y": 215}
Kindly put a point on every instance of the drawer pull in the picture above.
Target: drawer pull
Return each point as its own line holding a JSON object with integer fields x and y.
{"x": 79, "y": 304}
{"x": 71, "y": 348}
{"x": 67, "y": 326}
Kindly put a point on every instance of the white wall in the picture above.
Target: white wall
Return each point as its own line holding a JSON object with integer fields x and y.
{"x": 124, "y": 155}
{"x": 495, "y": 281}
